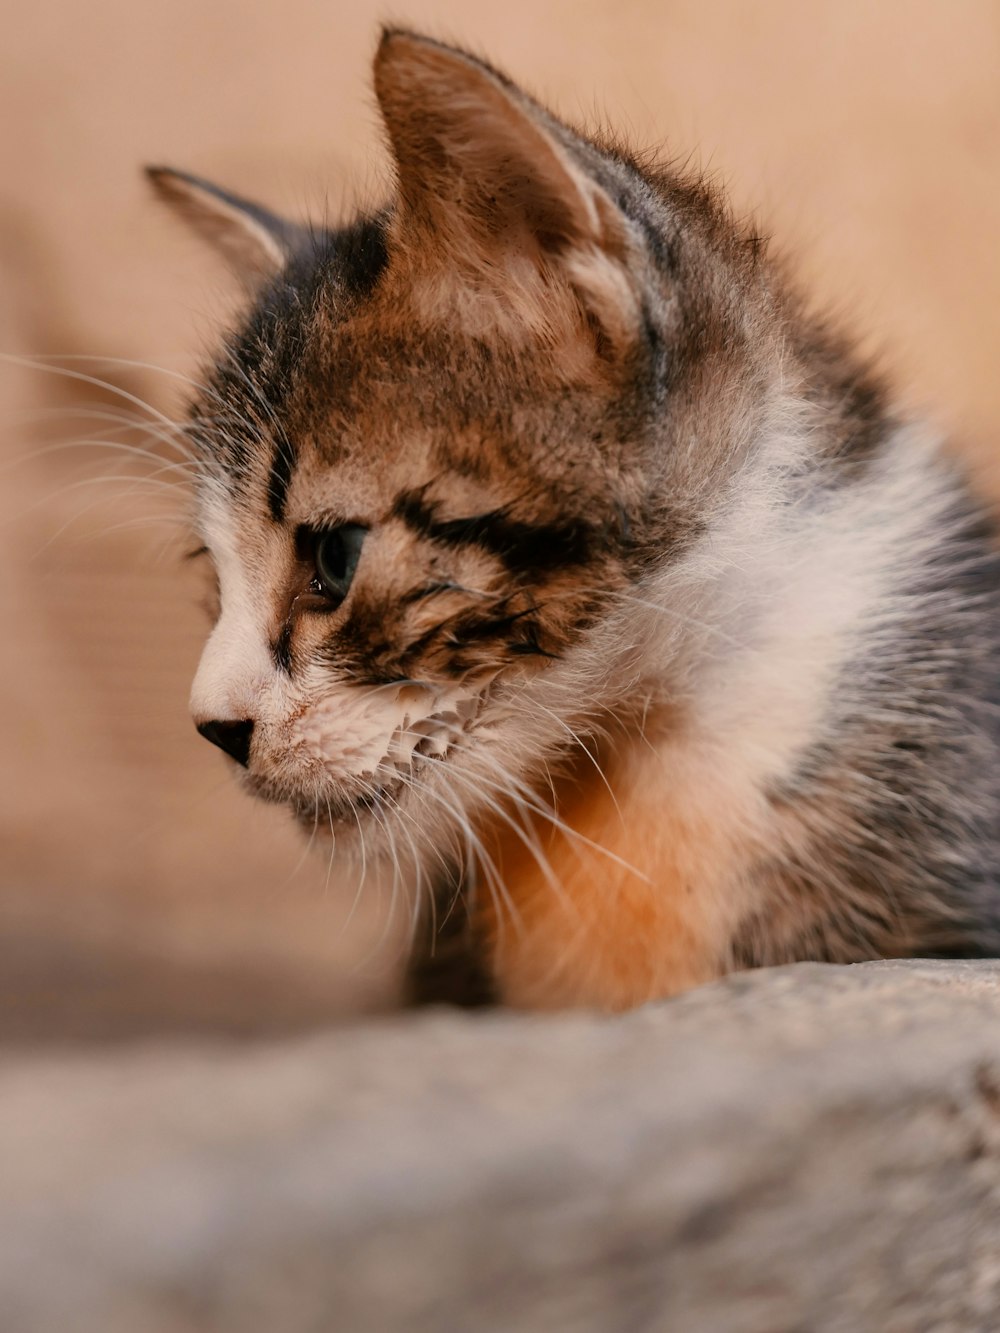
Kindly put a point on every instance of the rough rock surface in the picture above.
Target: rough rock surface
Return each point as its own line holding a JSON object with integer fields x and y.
{"x": 810, "y": 1149}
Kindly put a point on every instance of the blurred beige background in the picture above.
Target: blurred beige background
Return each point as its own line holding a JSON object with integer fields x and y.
{"x": 138, "y": 890}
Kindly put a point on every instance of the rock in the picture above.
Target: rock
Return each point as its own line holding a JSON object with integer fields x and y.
{"x": 811, "y": 1148}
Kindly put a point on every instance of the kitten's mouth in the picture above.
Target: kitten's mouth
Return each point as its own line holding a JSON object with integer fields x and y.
{"x": 438, "y": 736}
{"x": 368, "y": 774}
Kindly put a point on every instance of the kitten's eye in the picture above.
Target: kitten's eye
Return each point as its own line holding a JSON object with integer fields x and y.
{"x": 336, "y": 556}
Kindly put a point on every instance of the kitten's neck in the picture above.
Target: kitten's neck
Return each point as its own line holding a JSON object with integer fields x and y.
{"x": 744, "y": 646}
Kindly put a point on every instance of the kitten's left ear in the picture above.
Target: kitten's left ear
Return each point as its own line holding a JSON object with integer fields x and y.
{"x": 256, "y": 244}
{"x": 491, "y": 190}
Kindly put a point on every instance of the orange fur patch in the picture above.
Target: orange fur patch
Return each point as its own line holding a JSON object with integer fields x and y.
{"x": 639, "y": 901}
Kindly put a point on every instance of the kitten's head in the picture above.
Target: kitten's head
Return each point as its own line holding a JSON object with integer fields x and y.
{"x": 451, "y": 442}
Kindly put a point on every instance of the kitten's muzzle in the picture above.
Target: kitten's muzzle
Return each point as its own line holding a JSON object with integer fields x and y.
{"x": 233, "y": 737}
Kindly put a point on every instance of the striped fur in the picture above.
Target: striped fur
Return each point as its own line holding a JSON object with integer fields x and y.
{"x": 671, "y": 648}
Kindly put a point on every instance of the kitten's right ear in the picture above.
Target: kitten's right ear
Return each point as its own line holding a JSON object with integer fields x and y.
{"x": 255, "y": 244}
{"x": 493, "y": 194}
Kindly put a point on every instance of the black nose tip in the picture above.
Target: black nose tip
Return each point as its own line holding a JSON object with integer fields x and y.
{"x": 233, "y": 737}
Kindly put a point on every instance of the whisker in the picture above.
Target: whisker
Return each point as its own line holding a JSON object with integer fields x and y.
{"x": 499, "y": 894}
{"x": 364, "y": 864}
{"x": 93, "y": 381}
{"x": 397, "y": 872}
{"x": 684, "y": 619}
{"x": 548, "y": 813}
{"x": 40, "y": 360}
{"x": 307, "y": 849}
{"x": 593, "y": 759}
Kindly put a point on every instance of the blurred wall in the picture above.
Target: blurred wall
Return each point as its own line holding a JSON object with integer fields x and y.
{"x": 139, "y": 890}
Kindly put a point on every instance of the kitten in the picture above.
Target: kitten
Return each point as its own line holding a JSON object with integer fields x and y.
{"x": 565, "y": 558}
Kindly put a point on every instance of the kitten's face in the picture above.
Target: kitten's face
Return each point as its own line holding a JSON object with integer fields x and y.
{"x": 418, "y": 525}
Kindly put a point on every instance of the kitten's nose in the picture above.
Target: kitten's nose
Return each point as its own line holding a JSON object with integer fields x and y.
{"x": 233, "y": 737}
